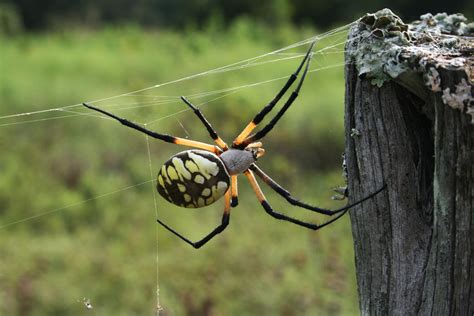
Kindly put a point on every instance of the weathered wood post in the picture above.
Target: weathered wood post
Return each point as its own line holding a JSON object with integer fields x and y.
{"x": 410, "y": 124}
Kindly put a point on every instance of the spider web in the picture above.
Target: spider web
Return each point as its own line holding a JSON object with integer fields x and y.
{"x": 279, "y": 55}
{"x": 334, "y": 44}
{"x": 78, "y": 111}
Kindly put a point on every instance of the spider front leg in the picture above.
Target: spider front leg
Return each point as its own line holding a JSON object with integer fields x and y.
{"x": 224, "y": 223}
{"x": 267, "y": 108}
{"x": 267, "y": 128}
{"x": 206, "y": 123}
{"x": 253, "y": 182}
{"x": 287, "y": 195}
{"x": 164, "y": 137}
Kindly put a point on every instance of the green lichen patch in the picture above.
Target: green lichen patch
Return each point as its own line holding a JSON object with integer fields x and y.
{"x": 383, "y": 48}
{"x": 461, "y": 98}
{"x": 442, "y": 23}
{"x": 433, "y": 80}
{"x": 377, "y": 47}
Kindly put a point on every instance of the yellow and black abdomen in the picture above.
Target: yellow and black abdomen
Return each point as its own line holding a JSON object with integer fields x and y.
{"x": 193, "y": 178}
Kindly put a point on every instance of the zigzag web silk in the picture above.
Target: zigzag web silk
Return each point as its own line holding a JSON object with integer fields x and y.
{"x": 336, "y": 46}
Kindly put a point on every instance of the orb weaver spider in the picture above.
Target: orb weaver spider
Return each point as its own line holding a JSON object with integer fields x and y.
{"x": 199, "y": 177}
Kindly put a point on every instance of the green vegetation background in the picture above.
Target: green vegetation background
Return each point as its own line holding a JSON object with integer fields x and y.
{"x": 105, "y": 249}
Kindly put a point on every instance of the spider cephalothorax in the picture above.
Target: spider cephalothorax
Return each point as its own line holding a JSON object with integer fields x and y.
{"x": 237, "y": 160}
{"x": 199, "y": 177}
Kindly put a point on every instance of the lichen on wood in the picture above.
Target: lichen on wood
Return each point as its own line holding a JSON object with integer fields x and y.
{"x": 415, "y": 54}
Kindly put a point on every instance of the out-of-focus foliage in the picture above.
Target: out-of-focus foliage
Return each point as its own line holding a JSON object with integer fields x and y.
{"x": 104, "y": 249}
{"x": 92, "y": 240}
{"x": 185, "y": 13}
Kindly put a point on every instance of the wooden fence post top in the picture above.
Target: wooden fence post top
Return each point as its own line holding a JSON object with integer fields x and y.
{"x": 417, "y": 55}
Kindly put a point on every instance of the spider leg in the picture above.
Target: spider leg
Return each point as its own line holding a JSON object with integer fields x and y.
{"x": 260, "y": 116}
{"x": 287, "y": 195}
{"x": 217, "y": 230}
{"x": 164, "y": 137}
{"x": 267, "y": 128}
{"x": 234, "y": 193}
{"x": 280, "y": 216}
{"x": 206, "y": 123}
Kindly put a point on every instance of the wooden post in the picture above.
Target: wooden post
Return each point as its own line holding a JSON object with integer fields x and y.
{"x": 409, "y": 124}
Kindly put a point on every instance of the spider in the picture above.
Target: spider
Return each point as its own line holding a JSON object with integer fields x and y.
{"x": 199, "y": 177}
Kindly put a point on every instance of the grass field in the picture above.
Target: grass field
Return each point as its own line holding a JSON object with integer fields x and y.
{"x": 93, "y": 240}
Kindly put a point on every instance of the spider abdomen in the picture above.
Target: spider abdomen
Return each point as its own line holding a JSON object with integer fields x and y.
{"x": 193, "y": 179}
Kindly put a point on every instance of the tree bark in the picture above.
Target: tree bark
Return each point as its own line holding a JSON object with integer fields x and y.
{"x": 413, "y": 242}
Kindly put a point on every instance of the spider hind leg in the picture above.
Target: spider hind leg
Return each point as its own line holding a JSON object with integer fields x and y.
{"x": 269, "y": 210}
{"x": 287, "y": 195}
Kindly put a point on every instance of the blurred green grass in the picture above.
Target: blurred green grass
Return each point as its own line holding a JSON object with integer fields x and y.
{"x": 105, "y": 249}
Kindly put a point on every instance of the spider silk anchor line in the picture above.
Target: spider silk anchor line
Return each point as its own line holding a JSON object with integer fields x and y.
{"x": 155, "y": 205}
{"x": 73, "y": 204}
{"x": 251, "y": 62}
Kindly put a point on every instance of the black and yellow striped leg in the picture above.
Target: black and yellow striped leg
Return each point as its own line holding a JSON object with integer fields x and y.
{"x": 261, "y": 115}
{"x": 234, "y": 200}
{"x": 287, "y": 195}
{"x": 208, "y": 125}
{"x": 224, "y": 223}
{"x": 164, "y": 137}
{"x": 267, "y": 128}
{"x": 271, "y": 212}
